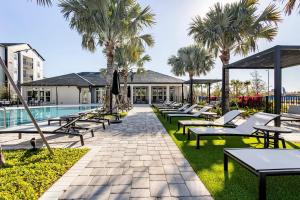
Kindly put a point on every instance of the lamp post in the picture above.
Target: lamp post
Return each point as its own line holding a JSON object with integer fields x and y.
{"x": 4, "y": 68}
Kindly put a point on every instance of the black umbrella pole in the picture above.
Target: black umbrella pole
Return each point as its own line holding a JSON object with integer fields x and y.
{"x": 110, "y": 102}
{"x": 25, "y": 105}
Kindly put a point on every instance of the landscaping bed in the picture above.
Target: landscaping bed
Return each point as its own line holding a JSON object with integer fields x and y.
{"x": 241, "y": 184}
{"x": 28, "y": 174}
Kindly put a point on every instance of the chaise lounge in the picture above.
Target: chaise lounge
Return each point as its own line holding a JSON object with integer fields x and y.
{"x": 183, "y": 107}
{"x": 185, "y": 111}
{"x": 222, "y": 121}
{"x": 195, "y": 115}
{"x": 243, "y": 130}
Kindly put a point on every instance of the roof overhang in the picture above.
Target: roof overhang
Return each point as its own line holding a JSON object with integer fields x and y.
{"x": 203, "y": 81}
{"x": 289, "y": 57}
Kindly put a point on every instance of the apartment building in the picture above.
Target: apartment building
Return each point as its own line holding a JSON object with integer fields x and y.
{"x": 24, "y": 64}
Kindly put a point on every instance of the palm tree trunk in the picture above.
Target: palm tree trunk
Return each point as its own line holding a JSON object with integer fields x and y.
{"x": 191, "y": 89}
{"x": 225, "y": 57}
{"x": 125, "y": 88}
{"x": 110, "y": 69}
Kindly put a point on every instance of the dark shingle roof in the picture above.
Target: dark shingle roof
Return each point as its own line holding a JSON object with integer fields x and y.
{"x": 84, "y": 79}
{"x": 203, "y": 81}
{"x": 150, "y": 76}
{"x": 64, "y": 80}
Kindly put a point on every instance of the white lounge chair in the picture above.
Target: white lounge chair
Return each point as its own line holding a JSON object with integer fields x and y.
{"x": 245, "y": 129}
{"x": 183, "y": 107}
{"x": 186, "y": 111}
{"x": 222, "y": 121}
{"x": 292, "y": 115}
{"x": 164, "y": 104}
{"x": 195, "y": 115}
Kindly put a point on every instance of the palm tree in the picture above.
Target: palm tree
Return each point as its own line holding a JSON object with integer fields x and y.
{"x": 193, "y": 60}
{"x": 234, "y": 28}
{"x": 247, "y": 84}
{"x": 236, "y": 85}
{"x": 106, "y": 23}
{"x": 290, "y": 5}
{"x": 132, "y": 54}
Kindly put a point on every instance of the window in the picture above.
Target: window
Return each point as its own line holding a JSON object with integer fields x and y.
{"x": 29, "y": 95}
{"x": 48, "y": 97}
{"x": 100, "y": 95}
{"x": 15, "y": 56}
{"x": 42, "y": 95}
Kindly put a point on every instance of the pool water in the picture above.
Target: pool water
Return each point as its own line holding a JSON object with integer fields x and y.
{"x": 19, "y": 116}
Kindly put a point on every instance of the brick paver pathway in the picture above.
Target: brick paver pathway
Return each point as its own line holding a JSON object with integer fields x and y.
{"x": 133, "y": 160}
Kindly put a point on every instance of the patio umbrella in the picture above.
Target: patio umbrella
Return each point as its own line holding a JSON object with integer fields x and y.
{"x": 128, "y": 92}
{"x": 116, "y": 83}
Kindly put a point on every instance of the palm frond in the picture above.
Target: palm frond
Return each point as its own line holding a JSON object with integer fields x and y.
{"x": 44, "y": 2}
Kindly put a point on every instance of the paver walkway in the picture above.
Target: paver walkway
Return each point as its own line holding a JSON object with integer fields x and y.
{"x": 135, "y": 159}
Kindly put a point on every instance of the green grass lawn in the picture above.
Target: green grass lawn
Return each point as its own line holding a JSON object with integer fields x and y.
{"x": 28, "y": 174}
{"x": 241, "y": 184}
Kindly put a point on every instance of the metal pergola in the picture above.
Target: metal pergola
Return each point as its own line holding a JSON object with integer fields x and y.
{"x": 277, "y": 58}
{"x": 207, "y": 82}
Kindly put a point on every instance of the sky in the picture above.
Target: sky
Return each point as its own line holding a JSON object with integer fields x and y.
{"x": 46, "y": 30}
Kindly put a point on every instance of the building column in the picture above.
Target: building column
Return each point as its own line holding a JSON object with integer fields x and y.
{"x": 56, "y": 95}
{"x": 131, "y": 94}
{"x": 149, "y": 94}
{"x": 168, "y": 93}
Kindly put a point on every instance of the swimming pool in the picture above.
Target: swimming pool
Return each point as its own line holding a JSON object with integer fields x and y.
{"x": 18, "y": 116}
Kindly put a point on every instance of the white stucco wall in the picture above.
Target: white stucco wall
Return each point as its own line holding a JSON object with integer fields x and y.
{"x": 2, "y": 55}
{"x": 66, "y": 95}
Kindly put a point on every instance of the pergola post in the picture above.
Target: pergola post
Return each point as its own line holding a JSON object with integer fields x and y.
{"x": 209, "y": 93}
{"x": 223, "y": 98}
{"x": 182, "y": 95}
{"x": 277, "y": 83}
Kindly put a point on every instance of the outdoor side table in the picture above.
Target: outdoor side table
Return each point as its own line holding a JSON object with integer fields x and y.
{"x": 209, "y": 115}
{"x": 265, "y": 162}
{"x": 266, "y": 130}
{"x": 69, "y": 118}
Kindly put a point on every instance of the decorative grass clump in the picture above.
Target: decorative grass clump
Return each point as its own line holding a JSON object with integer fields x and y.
{"x": 28, "y": 174}
{"x": 240, "y": 184}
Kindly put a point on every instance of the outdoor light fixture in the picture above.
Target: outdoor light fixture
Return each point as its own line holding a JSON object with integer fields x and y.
{"x": 131, "y": 75}
{"x": 33, "y": 143}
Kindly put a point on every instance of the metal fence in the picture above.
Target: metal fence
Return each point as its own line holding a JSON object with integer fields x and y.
{"x": 265, "y": 103}
{"x": 286, "y": 101}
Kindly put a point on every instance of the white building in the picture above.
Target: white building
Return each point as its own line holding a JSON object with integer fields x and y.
{"x": 89, "y": 87}
{"x": 24, "y": 64}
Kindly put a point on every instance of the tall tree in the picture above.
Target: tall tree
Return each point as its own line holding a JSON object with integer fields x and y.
{"x": 246, "y": 85}
{"x": 234, "y": 28}
{"x": 237, "y": 86}
{"x": 130, "y": 55}
{"x": 258, "y": 85}
{"x": 106, "y": 23}
{"x": 193, "y": 60}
